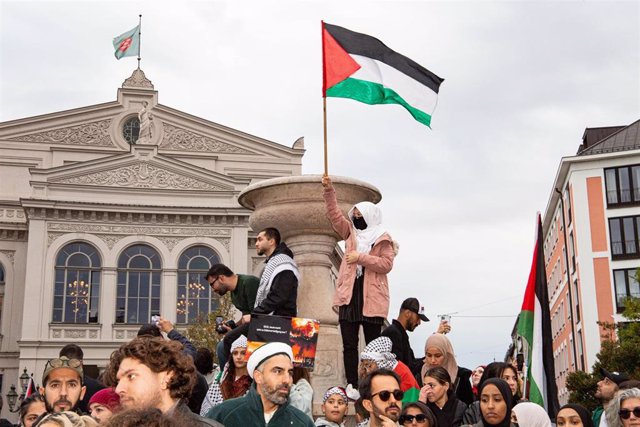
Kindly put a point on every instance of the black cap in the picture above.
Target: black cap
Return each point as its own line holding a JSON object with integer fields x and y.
{"x": 412, "y": 304}
{"x": 616, "y": 377}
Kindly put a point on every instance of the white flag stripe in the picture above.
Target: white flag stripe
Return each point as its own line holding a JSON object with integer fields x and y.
{"x": 413, "y": 92}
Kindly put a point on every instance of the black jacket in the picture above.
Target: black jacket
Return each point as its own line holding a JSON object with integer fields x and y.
{"x": 93, "y": 386}
{"x": 402, "y": 348}
{"x": 282, "y": 297}
{"x": 451, "y": 413}
{"x": 464, "y": 391}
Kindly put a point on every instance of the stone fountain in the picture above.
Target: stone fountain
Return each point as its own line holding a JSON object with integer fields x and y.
{"x": 295, "y": 206}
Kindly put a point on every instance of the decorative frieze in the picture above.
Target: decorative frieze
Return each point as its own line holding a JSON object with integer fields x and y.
{"x": 175, "y": 138}
{"x": 13, "y": 235}
{"x": 75, "y": 332}
{"x": 151, "y": 230}
{"x": 92, "y": 133}
{"x": 12, "y": 215}
{"x": 141, "y": 175}
{"x": 138, "y": 80}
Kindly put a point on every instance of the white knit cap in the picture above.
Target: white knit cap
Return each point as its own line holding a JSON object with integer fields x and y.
{"x": 266, "y": 351}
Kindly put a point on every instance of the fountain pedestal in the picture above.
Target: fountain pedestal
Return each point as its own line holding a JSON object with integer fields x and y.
{"x": 295, "y": 206}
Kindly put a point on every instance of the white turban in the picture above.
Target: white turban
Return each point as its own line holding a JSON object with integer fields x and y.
{"x": 267, "y": 351}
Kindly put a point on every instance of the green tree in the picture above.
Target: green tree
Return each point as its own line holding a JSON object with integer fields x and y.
{"x": 202, "y": 333}
{"x": 619, "y": 354}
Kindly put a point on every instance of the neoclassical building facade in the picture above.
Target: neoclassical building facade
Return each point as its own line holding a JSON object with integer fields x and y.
{"x": 104, "y": 224}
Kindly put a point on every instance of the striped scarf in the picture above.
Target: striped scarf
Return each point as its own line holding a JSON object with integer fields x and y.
{"x": 275, "y": 265}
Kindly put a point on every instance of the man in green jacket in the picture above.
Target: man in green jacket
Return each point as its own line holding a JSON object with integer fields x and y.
{"x": 267, "y": 402}
{"x": 607, "y": 388}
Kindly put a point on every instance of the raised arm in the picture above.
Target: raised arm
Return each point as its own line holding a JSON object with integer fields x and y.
{"x": 340, "y": 224}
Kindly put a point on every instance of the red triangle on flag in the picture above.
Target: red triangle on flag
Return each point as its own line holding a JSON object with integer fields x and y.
{"x": 336, "y": 63}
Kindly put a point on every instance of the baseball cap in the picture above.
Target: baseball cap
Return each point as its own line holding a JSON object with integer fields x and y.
{"x": 616, "y": 377}
{"x": 412, "y": 304}
{"x": 62, "y": 362}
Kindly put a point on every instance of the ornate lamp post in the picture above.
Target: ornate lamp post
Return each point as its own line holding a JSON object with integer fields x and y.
{"x": 12, "y": 395}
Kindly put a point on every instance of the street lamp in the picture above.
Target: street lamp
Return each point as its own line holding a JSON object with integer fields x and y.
{"x": 12, "y": 395}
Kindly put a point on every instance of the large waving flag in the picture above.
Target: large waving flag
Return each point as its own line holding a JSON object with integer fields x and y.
{"x": 361, "y": 67}
{"x": 127, "y": 44}
{"x": 534, "y": 326}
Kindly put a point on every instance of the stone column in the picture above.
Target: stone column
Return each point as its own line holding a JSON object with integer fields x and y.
{"x": 295, "y": 206}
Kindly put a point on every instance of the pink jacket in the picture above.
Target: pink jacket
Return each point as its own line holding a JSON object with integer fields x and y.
{"x": 377, "y": 263}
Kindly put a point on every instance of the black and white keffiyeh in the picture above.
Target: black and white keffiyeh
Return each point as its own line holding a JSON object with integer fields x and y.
{"x": 379, "y": 350}
{"x": 276, "y": 264}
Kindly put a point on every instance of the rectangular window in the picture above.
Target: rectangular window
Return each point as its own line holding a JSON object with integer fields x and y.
{"x": 572, "y": 253}
{"x": 622, "y": 185}
{"x": 624, "y": 236}
{"x": 580, "y": 352}
{"x": 576, "y": 300}
{"x": 567, "y": 201}
{"x": 626, "y": 285}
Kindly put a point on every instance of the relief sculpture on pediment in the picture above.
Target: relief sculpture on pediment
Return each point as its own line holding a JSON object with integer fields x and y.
{"x": 93, "y": 133}
{"x": 176, "y": 138}
{"x": 141, "y": 175}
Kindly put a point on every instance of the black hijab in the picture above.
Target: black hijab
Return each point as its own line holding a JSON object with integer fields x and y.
{"x": 505, "y": 391}
{"x": 583, "y": 413}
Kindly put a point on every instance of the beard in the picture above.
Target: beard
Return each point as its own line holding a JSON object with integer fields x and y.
{"x": 152, "y": 401}
{"x": 50, "y": 407}
{"x": 392, "y": 416}
{"x": 275, "y": 394}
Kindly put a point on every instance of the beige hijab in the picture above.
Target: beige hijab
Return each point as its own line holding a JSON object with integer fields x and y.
{"x": 443, "y": 344}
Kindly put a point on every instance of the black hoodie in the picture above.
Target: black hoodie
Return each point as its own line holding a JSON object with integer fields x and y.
{"x": 282, "y": 297}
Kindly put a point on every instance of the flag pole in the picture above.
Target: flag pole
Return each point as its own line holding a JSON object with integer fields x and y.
{"x": 324, "y": 115}
{"x": 324, "y": 102}
{"x": 139, "y": 37}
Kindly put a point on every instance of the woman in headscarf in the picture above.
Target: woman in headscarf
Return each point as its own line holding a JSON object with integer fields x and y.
{"x": 529, "y": 414}
{"x": 234, "y": 381}
{"x": 362, "y": 289}
{"x": 417, "y": 414}
{"x": 440, "y": 398}
{"x": 377, "y": 355}
{"x": 475, "y": 379}
{"x": 496, "y": 403}
{"x": 501, "y": 370}
{"x": 438, "y": 351}
{"x": 574, "y": 415}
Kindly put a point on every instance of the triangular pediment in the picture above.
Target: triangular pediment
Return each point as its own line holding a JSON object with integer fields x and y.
{"x": 138, "y": 175}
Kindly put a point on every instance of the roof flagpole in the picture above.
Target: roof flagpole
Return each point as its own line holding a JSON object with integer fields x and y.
{"x": 139, "y": 37}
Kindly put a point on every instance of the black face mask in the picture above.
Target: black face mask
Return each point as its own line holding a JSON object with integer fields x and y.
{"x": 359, "y": 223}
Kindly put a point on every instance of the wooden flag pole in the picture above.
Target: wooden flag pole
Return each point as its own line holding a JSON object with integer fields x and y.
{"x": 324, "y": 115}
{"x": 139, "y": 37}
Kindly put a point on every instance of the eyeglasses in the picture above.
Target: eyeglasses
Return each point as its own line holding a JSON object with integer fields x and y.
{"x": 386, "y": 395}
{"x": 625, "y": 414}
{"x": 59, "y": 363}
{"x": 420, "y": 418}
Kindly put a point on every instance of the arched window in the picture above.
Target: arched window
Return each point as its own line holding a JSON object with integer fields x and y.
{"x": 138, "y": 294}
{"x": 194, "y": 293}
{"x": 76, "y": 294}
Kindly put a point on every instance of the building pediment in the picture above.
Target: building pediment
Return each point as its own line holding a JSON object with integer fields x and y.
{"x": 142, "y": 176}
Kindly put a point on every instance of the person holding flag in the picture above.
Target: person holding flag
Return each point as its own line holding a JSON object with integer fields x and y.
{"x": 362, "y": 288}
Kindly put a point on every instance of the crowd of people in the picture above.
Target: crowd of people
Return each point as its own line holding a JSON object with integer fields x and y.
{"x": 161, "y": 379}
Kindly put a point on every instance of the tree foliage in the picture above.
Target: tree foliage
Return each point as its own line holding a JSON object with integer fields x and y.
{"x": 619, "y": 354}
{"x": 203, "y": 333}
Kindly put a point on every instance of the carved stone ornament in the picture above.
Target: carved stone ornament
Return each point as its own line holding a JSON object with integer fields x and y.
{"x": 56, "y": 333}
{"x": 142, "y": 175}
{"x": 9, "y": 254}
{"x": 138, "y": 79}
{"x": 129, "y": 230}
{"x": 119, "y": 335}
{"x": 93, "y": 133}
{"x": 75, "y": 333}
{"x": 176, "y": 138}
{"x": 51, "y": 237}
{"x": 110, "y": 239}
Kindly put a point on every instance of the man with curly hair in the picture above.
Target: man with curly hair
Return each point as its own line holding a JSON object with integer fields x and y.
{"x": 154, "y": 373}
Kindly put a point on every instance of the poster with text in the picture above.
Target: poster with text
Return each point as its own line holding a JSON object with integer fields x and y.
{"x": 300, "y": 333}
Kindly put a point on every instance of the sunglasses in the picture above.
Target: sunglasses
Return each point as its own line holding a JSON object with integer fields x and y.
{"x": 59, "y": 363}
{"x": 625, "y": 414}
{"x": 386, "y": 395}
{"x": 420, "y": 418}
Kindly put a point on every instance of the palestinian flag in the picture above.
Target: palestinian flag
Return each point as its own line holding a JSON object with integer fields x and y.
{"x": 31, "y": 387}
{"x": 534, "y": 326}
{"x": 361, "y": 67}
{"x": 127, "y": 44}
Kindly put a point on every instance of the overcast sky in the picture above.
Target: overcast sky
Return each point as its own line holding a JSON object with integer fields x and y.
{"x": 522, "y": 81}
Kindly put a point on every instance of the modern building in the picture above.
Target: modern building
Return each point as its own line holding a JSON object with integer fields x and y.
{"x": 105, "y": 221}
{"x": 591, "y": 229}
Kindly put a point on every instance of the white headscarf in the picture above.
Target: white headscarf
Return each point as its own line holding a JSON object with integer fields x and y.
{"x": 531, "y": 415}
{"x": 367, "y": 237}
